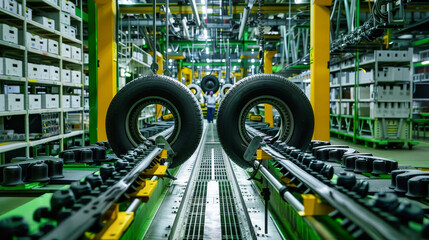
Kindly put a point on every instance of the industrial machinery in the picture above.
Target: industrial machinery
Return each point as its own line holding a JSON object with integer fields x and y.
{"x": 233, "y": 180}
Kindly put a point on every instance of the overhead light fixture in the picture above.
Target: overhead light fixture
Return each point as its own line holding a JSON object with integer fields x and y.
{"x": 406, "y": 36}
{"x": 203, "y": 2}
{"x": 207, "y": 50}
{"x": 169, "y": 50}
{"x": 425, "y": 62}
{"x": 205, "y": 33}
{"x": 239, "y": 60}
{"x": 170, "y": 60}
{"x": 253, "y": 60}
{"x": 207, "y": 67}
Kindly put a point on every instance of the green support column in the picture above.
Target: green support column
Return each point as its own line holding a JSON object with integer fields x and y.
{"x": 93, "y": 70}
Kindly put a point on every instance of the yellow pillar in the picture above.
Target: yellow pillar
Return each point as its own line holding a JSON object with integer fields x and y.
{"x": 107, "y": 55}
{"x": 268, "y": 68}
{"x": 319, "y": 58}
{"x": 179, "y": 71}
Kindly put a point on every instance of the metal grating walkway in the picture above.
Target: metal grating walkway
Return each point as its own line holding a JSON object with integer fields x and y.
{"x": 210, "y": 192}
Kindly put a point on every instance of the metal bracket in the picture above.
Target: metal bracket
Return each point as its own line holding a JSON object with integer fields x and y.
{"x": 116, "y": 223}
{"x": 157, "y": 170}
{"x": 147, "y": 189}
{"x": 314, "y": 206}
{"x": 161, "y": 142}
{"x": 255, "y": 144}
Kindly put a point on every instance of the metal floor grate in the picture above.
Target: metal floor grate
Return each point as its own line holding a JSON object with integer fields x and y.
{"x": 212, "y": 168}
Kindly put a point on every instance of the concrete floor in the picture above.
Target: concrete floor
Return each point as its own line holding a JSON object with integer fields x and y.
{"x": 417, "y": 157}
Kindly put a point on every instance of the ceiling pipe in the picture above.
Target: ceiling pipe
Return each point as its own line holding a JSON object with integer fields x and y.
{"x": 195, "y": 11}
{"x": 243, "y": 22}
{"x": 185, "y": 28}
{"x": 142, "y": 22}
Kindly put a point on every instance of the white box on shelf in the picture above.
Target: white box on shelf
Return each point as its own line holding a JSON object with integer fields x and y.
{"x": 65, "y": 75}
{"x": 76, "y": 77}
{"x": 1, "y": 66}
{"x": 54, "y": 73}
{"x": 50, "y": 101}
{"x": 52, "y": 46}
{"x": 10, "y": 89}
{"x": 13, "y": 67}
{"x": 45, "y": 72}
{"x": 8, "y": 33}
{"x": 65, "y": 18}
{"x": 65, "y": 6}
{"x": 72, "y": 8}
{"x": 75, "y": 101}
{"x": 86, "y": 58}
{"x": 393, "y": 56}
{"x": 86, "y": 102}
{"x": 66, "y": 103}
{"x": 86, "y": 81}
{"x": 72, "y": 32}
{"x": 392, "y": 74}
{"x": 64, "y": 29}
{"x": 76, "y": 53}
{"x": 34, "y": 71}
{"x": 11, "y": 6}
{"x": 29, "y": 13}
{"x": 34, "y": 101}
{"x": 33, "y": 40}
{"x": 19, "y": 9}
{"x": 2, "y": 103}
{"x": 366, "y": 77}
{"x": 66, "y": 50}
{"x": 47, "y": 22}
{"x": 43, "y": 44}
{"x": 14, "y": 102}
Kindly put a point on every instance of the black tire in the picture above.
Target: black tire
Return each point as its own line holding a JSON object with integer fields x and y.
{"x": 210, "y": 83}
{"x": 296, "y": 111}
{"x": 121, "y": 119}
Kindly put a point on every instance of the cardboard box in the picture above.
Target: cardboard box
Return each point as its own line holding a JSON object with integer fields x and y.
{"x": 66, "y": 50}
{"x": 43, "y": 44}
{"x": 34, "y": 71}
{"x": 75, "y": 101}
{"x": 65, "y": 6}
{"x": 2, "y": 103}
{"x": 45, "y": 72}
{"x": 76, "y": 53}
{"x": 1, "y": 66}
{"x": 29, "y": 13}
{"x": 13, "y": 67}
{"x": 14, "y": 102}
{"x": 33, "y": 40}
{"x": 11, "y": 6}
{"x": 52, "y": 46}
{"x": 47, "y": 22}
{"x": 8, "y": 33}
{"x": 86, "y": 58}
{"x": 65, "y": 75}
{"x": 66, "y": 101}
{"x": 65, "y": 18}
{"x": 64, "y": 29}
{"x": 50, "y": 101}
{"x": 76, "y": 77}
{"x": 34, "y": 101}
{"x": 54, "y": 73}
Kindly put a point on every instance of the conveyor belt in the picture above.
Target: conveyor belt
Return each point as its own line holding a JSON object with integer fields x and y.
{"x": 212, "y": 202}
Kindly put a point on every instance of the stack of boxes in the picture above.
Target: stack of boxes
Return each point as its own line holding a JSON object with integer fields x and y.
{"x": 68, "y": 8}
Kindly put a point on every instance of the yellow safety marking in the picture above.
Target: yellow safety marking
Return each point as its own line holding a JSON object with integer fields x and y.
{"x": 261, "y": 155}
{"x": 148, "y": 188}
{"x": 314, "y": 206}
{"x": 176, "y": 57}
{"x": 164, "y": 154}
{"x": 255, "y": 118}
{"x": 32, "y": 80}
{"x": 287, "y": 181}
{"x": 116, "y": 223}
{"x": 167, "y": 116}
{"x": 5, "y": 143}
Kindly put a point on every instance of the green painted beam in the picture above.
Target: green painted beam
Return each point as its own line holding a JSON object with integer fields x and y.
{"x": 217, "y": 64}
{"x": 299, "y": 66}
{"x": 93, "y": 71}
{"x": 420, "y": 42}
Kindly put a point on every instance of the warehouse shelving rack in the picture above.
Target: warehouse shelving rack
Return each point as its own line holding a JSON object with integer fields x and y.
{"x": 27, "y": 55}
{"x": 373, "y": 105}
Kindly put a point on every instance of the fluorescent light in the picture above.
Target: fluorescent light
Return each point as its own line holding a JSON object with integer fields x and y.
{"x": 169, "y": 50}
{"x": 207, "y": 50}
{"x": 425, "y": 62}
{"x": 239, "y": 60}
{"x": 170, "y": 60}
{"x": 207, "y": 67}
{"x": 253, "y": 60}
